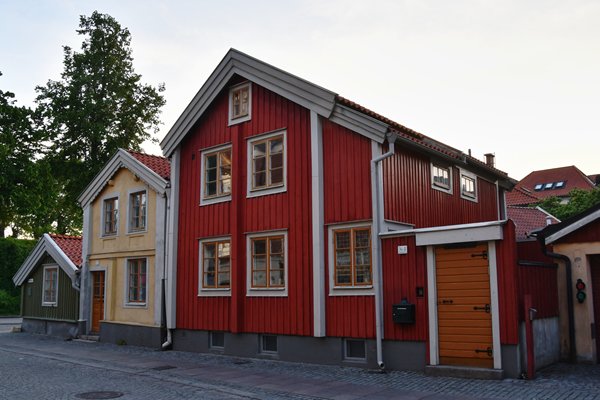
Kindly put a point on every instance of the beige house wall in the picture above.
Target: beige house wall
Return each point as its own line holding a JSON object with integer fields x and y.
{"x": 111, "y": 252}
{"x": 579, "y": 254}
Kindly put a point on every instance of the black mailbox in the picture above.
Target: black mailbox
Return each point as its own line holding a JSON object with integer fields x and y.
{"x": 403, "y": 313}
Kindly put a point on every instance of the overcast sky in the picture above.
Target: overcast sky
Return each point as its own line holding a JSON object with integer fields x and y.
{"x": 517, "y": 78}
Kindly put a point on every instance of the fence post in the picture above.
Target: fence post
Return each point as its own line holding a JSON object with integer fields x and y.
{"x": 529, "y": 313}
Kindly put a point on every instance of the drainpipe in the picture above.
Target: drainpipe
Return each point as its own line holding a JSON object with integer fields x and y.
{"x": 569, "y": 282}
{"x": 165, "y": 310}
{"x": 377, "y": 201}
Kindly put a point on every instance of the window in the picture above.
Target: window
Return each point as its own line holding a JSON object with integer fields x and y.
{"x": 441, "y": 178}
{"x": 240, "y": 104}
{"x": 468, "y": 186}
{"x": 538, "y": 186}
{"x": 548, "y": 186}
{"x": 215, "y": 256}
{"x": 110, "y": 213}
{"x": 559, "y": 185}
{"x": 267, "y": 164}
{"x": 268, "y": 344}
{"x": 137, "y": 211}
{"x": 267, "y": 264}
{"x": 352, "y": 257}
{"x": 136, "y": 281}
{"x": 216, "y": 175}
{"x": 50, "y": 287}
{"x": 355, "y": 350}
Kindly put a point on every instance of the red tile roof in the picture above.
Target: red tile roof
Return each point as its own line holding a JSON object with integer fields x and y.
{"x": 520, "y": 197}
{"x": 158, "y": 164}
{"x": 571, "y": 176}
{"x": 418, "y": 138}
{"x": 71, "y": 246}
{"x": 528, "y": 219}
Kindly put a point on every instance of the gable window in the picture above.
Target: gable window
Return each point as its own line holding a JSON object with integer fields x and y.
{"x": 267, "y": 264}
{"x": 441, "y": 178}
{"x": 110, "y": 213}
{"x": 136, "y": 281}
{"x": 267, "y": 164}
{"x": 215, "y": 257}
{"x": 137, "y": 211}
{"x": 468, "y": 186}
{"x": 50, "y": 286}
{"x": 352, "y": 257}
{"x": 216, "y": 175}
{"x": 240, "y": 104}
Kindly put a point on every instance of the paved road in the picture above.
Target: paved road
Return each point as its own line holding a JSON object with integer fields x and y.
{"x": 35, "y": 366}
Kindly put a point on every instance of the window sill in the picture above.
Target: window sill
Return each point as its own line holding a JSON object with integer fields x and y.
{"x": 137, "y": 233}
{"x": 134, "y": 305}
{"x": 266, "y": 191}
{"x": 352, "y": 291}
{"x": 49, "y": 304}
{"x": 442, "y": 189}
{"x": 214, "y": 293}
{"x": 267, "y": 292}
{"x": 214, "y": 200}
{"x": 109, "y": 236}
{"x": 473, "y": 199}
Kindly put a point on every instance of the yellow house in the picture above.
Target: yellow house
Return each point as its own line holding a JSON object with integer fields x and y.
{"x": 123, "y": 275}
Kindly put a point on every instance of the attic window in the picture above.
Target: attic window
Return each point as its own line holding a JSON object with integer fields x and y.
{"x": 559, "y": 185}
{"x": 548, "y": 186}
{"x": 539, "y": 186}
{"x": 240, "y": 105}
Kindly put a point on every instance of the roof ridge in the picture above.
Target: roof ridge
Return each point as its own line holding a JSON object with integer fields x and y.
{"x": 61, "y": 236}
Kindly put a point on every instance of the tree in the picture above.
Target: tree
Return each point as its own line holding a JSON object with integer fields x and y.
{"x": 579, "y": 201}
{"x": 97, "y": 106}
{"x": 22, "y": 191}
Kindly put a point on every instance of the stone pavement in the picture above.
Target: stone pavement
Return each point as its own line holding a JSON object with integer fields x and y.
{"x": 149, "y": 374}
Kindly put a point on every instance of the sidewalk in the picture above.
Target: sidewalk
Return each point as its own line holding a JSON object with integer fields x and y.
{"x": 7, "y": 323}
{"x": 268, "y": 379}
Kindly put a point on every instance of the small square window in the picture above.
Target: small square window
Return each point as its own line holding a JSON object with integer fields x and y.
{"x": 217, "y": 340}
{"x": 240, "y": 103}
{"x": 355, "y": 350}
{"x": 441, "y": 178}
{"x": 268, "y": 344}
{"x": 468, "y": 186}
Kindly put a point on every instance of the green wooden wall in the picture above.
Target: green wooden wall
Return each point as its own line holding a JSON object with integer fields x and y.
{"x": 67, "y": 308}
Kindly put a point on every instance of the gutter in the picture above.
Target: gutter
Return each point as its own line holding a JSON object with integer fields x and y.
{"x": 378, "y": 222}
{"x": 569, "y": 283}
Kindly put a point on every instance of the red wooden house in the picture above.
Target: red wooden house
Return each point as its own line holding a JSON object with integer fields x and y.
{"x": 308, "y": 228}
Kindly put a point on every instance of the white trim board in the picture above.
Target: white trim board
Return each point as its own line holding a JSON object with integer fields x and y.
{"x": 573, "y": 227}
{"x": 464, "y": 233}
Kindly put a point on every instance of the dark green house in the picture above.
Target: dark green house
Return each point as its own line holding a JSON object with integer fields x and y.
{"x": 49, "y": 281}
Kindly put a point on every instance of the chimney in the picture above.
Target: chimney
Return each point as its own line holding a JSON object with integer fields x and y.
{"x": 489, "y": 159}
{"x": 548, "y": 221}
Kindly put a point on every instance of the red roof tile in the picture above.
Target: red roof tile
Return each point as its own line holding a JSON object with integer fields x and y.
{"x": 572, "y": 177}
{"x": 158, "y": 164}
{"x": 71, "y": 246}
{"x": 528, "y": 219}
{"x": 520, "y": 197}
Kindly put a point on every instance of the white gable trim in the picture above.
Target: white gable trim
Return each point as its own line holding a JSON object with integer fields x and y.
{"x": 43, "y": 246}
{"x": 122, "y": 159}
{"x": 573, "y": 227}
{"x": 293, "y": 88}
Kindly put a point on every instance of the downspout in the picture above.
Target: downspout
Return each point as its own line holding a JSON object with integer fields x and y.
{"x": 169, "y": 342}
{"x": 569, "y": 283}
{"x": 377, "y": 199}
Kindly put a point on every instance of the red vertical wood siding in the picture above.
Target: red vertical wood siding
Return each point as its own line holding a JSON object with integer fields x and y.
{"x": 402, "y": 274}
{"x": 409, "y": 197}
{"x": 588, "y": 233}
{"x": 531, "y": 250}
{"x": 290, "y": 211}
{"x": 542, "y": 284}
{"x": 347, "y": 198}
{"x": 508, "y": 285}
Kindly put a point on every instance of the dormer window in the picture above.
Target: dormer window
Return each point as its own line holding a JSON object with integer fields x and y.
{"x": 240, "y": 105}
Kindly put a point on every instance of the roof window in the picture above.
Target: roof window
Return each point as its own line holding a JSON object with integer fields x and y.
{"x": 538, "y": 186}
{"x": 559, "y": 185}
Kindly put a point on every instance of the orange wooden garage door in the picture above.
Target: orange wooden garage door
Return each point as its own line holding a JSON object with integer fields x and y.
{"x": 464, "y": 314}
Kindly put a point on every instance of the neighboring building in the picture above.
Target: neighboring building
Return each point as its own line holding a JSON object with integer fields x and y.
{"x": 529, "y": 219}
{"x": 49, "y": 281}
{"x": 521, "y": 197}
{"x": 308, "y": 228}
{"x": 125, "y": 212}
{"x": 556, "y": 182}
{"x": 575, "y": 244}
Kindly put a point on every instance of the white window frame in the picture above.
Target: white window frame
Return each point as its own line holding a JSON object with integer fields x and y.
{"x": 472, "y": 176}
{"x": 131, "y": 192}
{"x": 250, "y": 192}
{"x": 126, "y": 301}
{"x": 268, "y": 291}
{"x": 437, "y": 186}
{"x": 109, "y": 196}
{"x": 55, "y": 302}
{"x": 213, "y": 199}
{"x": 212, "y": 292}
{"x": 230, "y": 119}
{"x": 363, "y": 290}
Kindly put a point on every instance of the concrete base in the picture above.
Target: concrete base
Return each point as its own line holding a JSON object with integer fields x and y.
{"x": 64, "y": 329}
{"x": 306, "y": 349}
{"x": 464, "y": 372}
{"x": 134, "y": 335}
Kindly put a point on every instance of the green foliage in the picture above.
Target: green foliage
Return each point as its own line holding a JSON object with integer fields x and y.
{"x": 9, "y": 305}
{"x": 580, "y": 200}
{"x": 97, "y": 106}
{"x": 12, "y": 254}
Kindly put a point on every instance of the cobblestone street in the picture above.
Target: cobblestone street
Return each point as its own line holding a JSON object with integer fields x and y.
{"x": 35, "y": 366}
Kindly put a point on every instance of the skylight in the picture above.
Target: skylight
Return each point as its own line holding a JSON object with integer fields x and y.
{"x": 548, "y": 186}
{"x": 559, "y": 185}
{"x": 538, "y": 186}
